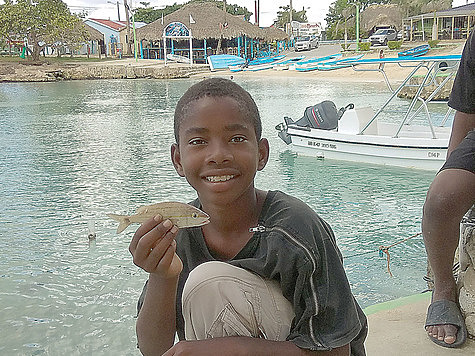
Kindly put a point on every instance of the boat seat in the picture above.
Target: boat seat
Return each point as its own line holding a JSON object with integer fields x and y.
{"x": 354, "y": 120}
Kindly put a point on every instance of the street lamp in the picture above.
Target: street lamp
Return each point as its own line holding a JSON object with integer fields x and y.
{"x": 118, "y": 11}
{"x": 357, "y": 5}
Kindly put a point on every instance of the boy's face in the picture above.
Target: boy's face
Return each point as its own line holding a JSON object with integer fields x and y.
{"x": 218, "y": 151}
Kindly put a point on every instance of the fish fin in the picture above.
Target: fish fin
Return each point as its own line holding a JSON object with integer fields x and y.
{"x": 123, "y": 221}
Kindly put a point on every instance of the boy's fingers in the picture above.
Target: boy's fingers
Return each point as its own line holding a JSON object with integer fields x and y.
{"x": 151, "y": 247}
{"x": 142, "y": 230}
{"x": 159, "y": 247}
{"x": 166, "y": 260}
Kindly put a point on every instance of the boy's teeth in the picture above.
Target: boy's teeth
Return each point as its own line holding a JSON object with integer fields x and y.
{"x": 219, "y": 178}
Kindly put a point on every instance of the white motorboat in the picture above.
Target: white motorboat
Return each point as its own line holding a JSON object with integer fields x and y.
{"x": 358, "y": 134}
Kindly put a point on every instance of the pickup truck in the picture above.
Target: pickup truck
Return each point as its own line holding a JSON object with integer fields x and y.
{"x": 306, "y": 43}
{"x": 382, "y": 36}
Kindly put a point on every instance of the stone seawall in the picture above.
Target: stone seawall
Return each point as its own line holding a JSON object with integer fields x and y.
{"x": 129, "y": 72}
{"x": 466, "y": 278}
{"x": 408, "y": 92}
{"x": 14, "y": 72}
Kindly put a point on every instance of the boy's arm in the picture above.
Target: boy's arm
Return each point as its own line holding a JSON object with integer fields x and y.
{"x": 156, "y": 320}
{"x": 463, "y": 123}
{"x": 242, "y": 345}
{"x": 153, "y": 249}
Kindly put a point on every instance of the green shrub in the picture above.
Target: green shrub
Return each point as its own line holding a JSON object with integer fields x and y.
{"x": 364, "y": 46}
{"x": 433, "y": 43}
{"x": 394, "y": 44}
{"x": 345, "y": 48}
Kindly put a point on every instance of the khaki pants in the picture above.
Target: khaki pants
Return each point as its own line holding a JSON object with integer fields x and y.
{"x": 223, "y": 300}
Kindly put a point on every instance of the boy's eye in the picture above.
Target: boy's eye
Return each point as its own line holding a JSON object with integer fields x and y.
{"x": 238, "y": 139}
{"x": 196, "y": 141}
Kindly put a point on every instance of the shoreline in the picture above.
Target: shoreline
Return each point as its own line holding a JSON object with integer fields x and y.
{"x": 129, "y": 68}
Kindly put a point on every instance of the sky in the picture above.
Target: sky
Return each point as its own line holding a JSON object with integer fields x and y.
{"x": 316, "y": 11}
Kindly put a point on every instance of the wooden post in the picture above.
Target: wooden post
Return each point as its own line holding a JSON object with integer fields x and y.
{"x": 468, "y": 25}
{"x": 453, "y": 24}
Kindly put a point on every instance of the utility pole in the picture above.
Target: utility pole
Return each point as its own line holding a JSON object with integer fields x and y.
{"x": 357, "y": 26}
{"x": 290, "y": 19}
{"x": 129, "y": 48}
{"x": 118, "y": 11}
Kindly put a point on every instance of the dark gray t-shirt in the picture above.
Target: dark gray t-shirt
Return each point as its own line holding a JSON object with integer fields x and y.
{"x": 298, "y": 249}
{"x": 462, "y": 97}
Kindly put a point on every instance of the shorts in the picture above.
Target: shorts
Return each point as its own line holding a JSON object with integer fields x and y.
{"x": 463, "y": 156}
{"x": 222, "y": 300}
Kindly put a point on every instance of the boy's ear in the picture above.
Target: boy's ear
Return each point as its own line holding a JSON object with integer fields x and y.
{"x": 176, "y": 159}
{"x": 263, "y": 153}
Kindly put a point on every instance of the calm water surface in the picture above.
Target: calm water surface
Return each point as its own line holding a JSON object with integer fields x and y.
{"x": 70, "y": 152}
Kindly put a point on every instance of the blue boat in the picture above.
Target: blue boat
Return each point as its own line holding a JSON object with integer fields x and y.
{"x": 264, "y": 60}
{"x": 341, "y": 63}
{"x": 415, "y": 52}
{"x": 305, "y": 65}
{"x": 326, "y": 63}
{"x": 223, "y": 61}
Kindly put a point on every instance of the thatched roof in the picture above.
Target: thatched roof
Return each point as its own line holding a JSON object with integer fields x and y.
{"x": 275, "y": 34}
{"x": 209, "y": 21}
{"x": 378, "y": 15}
{"x": 94, "y": 34}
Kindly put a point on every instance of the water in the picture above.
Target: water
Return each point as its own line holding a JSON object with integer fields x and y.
{"x": 70, "y": 152}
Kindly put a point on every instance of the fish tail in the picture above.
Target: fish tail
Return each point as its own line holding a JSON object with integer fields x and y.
{"x": 123, "y": 221}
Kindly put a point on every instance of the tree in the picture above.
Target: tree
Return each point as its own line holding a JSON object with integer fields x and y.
{"x": 283, "y": 16}
{"x": 42, "y": 22}
{"x": 149, "y": 14}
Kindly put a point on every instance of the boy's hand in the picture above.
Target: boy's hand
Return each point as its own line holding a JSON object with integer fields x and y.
{"x": 153, "y": 248}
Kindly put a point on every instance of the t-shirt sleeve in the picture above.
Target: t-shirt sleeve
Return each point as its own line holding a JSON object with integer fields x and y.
{"x": 326, "y": 313}
{"x": 462, "y": 97}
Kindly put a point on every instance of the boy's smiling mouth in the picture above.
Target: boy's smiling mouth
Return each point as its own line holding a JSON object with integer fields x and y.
{"x": 223, "y": 178}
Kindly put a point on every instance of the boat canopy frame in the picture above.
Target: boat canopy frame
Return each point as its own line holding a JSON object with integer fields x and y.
{"x": 433, "y": 65}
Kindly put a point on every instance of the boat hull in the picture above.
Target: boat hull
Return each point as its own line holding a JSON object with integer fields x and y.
{"x": 410, "y": 152}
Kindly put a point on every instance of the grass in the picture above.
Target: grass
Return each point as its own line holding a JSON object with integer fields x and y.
{"x": 53, "y": 59}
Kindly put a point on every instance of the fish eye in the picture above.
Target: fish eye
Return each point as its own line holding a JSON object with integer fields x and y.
{"x": 194, "y": 215}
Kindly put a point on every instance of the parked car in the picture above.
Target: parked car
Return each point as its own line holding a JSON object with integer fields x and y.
{"x": 306, "y": 43}
{"x": 382, "y": 36}
{"x": 406, "y": 35}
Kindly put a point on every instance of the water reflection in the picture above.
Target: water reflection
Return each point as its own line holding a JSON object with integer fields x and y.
{"x": 71, "y": 152}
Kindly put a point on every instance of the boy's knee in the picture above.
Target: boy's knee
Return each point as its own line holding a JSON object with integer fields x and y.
{"x": 439, "y": 203}
{"x": 220, "y": 299}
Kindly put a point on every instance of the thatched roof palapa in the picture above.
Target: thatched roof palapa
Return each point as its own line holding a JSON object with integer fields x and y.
{"x": 275, "y": 34}
{"x": 206, "y": 20}
{"x": 377, "y": 15}
{"x": 93, "y": 34}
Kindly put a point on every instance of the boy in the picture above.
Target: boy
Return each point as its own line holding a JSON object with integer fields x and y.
{"x": 264, "y": 277}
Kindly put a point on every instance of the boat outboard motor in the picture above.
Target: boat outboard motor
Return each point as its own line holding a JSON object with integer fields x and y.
{"x": 323, "y": 116}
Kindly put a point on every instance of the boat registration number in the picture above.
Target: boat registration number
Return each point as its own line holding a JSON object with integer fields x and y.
{"x": 322, "y": 145}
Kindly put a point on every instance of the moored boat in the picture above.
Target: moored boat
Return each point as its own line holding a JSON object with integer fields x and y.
{"x": 223, "y": 61}
{"x": 361, "y": 135}
{"x": 414, "y": 52}
{"x": 311, "y": 62}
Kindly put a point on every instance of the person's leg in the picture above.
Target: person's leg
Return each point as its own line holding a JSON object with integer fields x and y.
{"x": 223, "y": 300}
{"x": 449, "y": 197}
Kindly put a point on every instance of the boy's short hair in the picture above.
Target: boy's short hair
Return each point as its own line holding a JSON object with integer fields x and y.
{"x": 218, "y": 87}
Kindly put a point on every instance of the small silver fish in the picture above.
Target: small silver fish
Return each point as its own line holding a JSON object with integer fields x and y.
{"x": 180, "y": 214}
